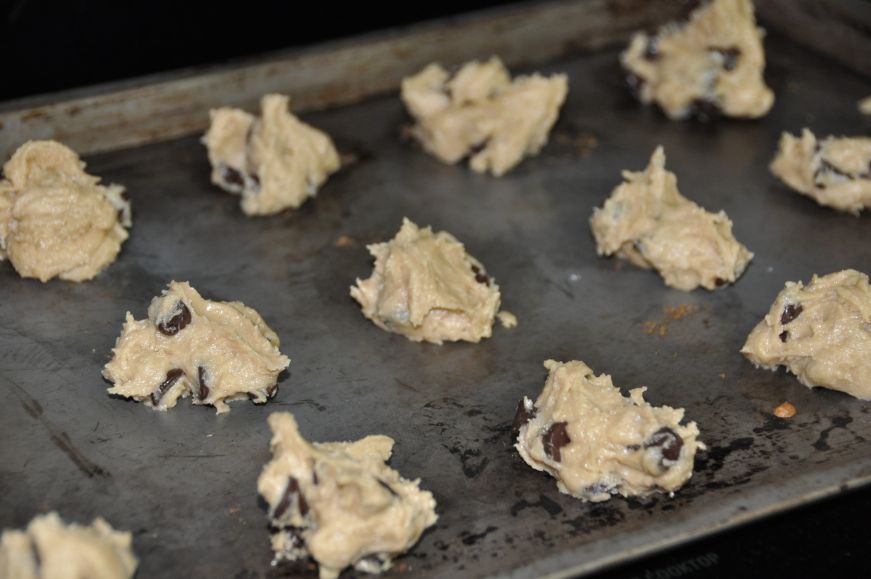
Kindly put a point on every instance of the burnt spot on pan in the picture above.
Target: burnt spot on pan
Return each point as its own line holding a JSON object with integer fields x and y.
{"x": 468, "y": 538}
{"x": 822, "y": 442}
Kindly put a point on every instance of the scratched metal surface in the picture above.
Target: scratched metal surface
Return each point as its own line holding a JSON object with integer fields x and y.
{"x": 184, "y": 481}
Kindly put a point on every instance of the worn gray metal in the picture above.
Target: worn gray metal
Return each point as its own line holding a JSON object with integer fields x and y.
{"x": 185, "y": 481}
{"x": 170, "y": 105}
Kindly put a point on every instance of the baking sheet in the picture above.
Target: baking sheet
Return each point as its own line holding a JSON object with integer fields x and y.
{"x": 184, "y": 481}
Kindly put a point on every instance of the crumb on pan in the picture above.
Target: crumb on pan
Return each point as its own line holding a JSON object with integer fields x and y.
{"x": 785, "y": 410}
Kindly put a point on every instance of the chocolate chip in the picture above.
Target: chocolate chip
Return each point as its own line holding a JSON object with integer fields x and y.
{"x": 478, "y": 147}
{"x": 556, "y": 437}
{"x": 171, "y": 378}
{"x": 790, "y": 312}
{"x": 784, "y": 335}
{"x": 291, "y": 490}
{"x": 201, "y": 376}
{"x": 598, "y": 488}
{"x": 271, "y": 391}
{"x": 387, "y": 487}
{"x": 256, "y": 179}
{"x": 125, "y": 196}
{"x": 730, "y": 56}
{"x": 651, "y": 50}
{"x": 718, "y": 281}
{"x": 177, "y": 322}
{"x": 705, "y": 110}
{"x": 480, "y": 276}
{"x": 521, "y": 417}
{"x": 232, "y": 176}
{"x": 669, "y": 440}
{"x": 635, "y": 83}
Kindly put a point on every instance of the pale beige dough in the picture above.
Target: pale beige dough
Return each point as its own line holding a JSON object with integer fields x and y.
{"x": 482, "y": 114}
{"x": 714, "y": 62}
{"x": 427, "y": 288}
{"x": 597, "y": 443}
{"x": 835, "y": 171}
{"x": 338, "y": 502}
{"x": 49, "y": 549}
{"x": 274, "y": 161}
{"x": 55, "y": 219}
{"x": 648, "y": 222}
{"x": 820, "y": 332}
{"x": 215, "y": 352}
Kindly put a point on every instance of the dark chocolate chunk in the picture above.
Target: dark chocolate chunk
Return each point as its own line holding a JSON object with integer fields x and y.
{"x": 388, "y": 488}
{"x": 204, "y": 389}
{"x": 784, "y": 335}
{"x": 291, "y": 490}
{"x": 177, "y": 322}
{"x": 718, "y": 281}
{"x": 635, "y": 83}
{"x": 651, "y": 50}
{"x": 232, "y": 176}
{"x": 556, "y": 437}
{"x": 669, "y": 440}
{"x": 480, "y": 276}
{"x": 271, "y": 391}
{"x": 521, "y": 417}
{"x": 598, "y": 488}
{"x": 730, "y": 57}
{"x": 790, "y": 312}
{"x": 125, "y": 196}
{"x": 171, "y": 378}
{"x": 256, "y": 179}
{"x": 705, "y": 110}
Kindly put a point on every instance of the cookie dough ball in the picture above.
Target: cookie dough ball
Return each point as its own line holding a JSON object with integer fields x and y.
{"x": 427, "y": 288}
{"x": 820, "y": 332}
{"x": 836, "y": 172}
{"x": 338, "y": 502}
{"x": 49, "y": 549}
{"x": 189, "y": 346}
{"x": 596, "y": 443}
{"x": 275, "y": 161}
{"x": 55, "y": 219}
{"x": 648, "y": 222}
{"x": 480, "y": 113}
{"x": 710, "y": 64}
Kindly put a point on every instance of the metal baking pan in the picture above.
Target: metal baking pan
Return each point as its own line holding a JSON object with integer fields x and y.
{"x": 184, "y": 481}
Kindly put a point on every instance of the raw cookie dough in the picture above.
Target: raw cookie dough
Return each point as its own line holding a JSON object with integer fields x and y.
{"x": 427, "y": 288}
{"x": 189, "y": 346}
{"x": 820, "y": 332}
{"x": 482, "y": 114}
{"x": 835, "y": 171}
{"x": 648, "y": 222}
{"x": 597, "y": 443}
{"x": 55, "y": 219}
{"x": 712, "y": 63}
{"x": 338, "y": 502}
{"x": 48, "y": 549}
{"x": 274, "y": 161}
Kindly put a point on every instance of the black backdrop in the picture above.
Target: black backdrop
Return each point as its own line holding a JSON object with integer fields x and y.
{"x": 49, "y": 46}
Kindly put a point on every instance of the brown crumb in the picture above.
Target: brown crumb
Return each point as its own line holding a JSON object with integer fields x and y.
{"x": 679, "y": 311}
{"x": 655, "y": 328}
{"x": 401, "y": 567}
{"x": 233, "y": 510}
{"x": 344, "y": 241}
{"x": 722, "y": 375}
{"x": 582, "y": 143}
{"x": 785, "y": 410}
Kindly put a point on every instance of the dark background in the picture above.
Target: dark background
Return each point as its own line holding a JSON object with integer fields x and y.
{"x": 52, "y": 46}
